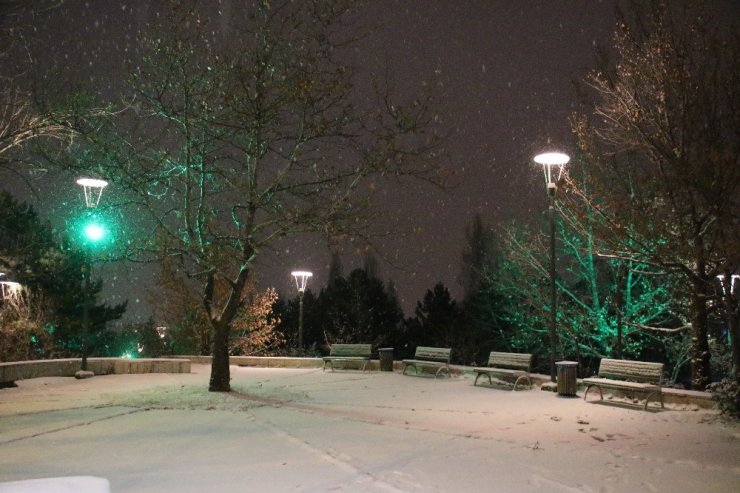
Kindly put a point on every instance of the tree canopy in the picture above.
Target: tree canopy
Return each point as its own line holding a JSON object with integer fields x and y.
{"x": 237, "y": 133}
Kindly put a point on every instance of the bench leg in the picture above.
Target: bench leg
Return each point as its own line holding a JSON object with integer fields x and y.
{"x": 490, "y": 382}
{"x": 440, "y": 369}
{"x": 660, "y": 396}
{"x": 601, "y": 393}
{"x": 520, "y": 377}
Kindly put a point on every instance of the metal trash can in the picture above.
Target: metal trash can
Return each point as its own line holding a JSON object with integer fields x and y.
{"x": 567, "y": 382}
{"x": 386, "y": 358}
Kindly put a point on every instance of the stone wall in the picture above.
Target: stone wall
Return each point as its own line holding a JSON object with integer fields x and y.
{"x": 20, "y": 370}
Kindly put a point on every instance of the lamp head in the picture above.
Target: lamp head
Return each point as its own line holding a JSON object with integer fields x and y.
{"x": 93, "y": 189}
{"x": 301, "y": 279}
{"x": 553, "y": 164}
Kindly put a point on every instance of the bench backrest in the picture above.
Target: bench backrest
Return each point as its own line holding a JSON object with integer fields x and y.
{"x": 433, "y": 354}
{"x": 364, "y": 350}
{"x": 634, "y": 371}
{"x": 512, "y": 361}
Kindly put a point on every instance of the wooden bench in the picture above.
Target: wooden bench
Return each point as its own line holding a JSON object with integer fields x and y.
{"x": 512, "y": 364}
{"x": 348, "y": 352}
{"x": 631, "y": 376}
{"x": 433, "y": 357}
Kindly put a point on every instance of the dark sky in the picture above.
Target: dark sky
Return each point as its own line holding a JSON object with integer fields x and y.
{"x": 504, "y": 69}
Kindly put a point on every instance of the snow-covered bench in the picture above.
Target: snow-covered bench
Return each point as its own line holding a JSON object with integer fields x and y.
{"x": 630, "y": 376}
{"x": 348, "y": 352}
{"x": 512, "y": 364}
{"x": 433, "y": 357}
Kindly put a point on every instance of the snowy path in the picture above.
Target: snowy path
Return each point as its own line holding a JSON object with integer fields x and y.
{"x": 288, "y": 430}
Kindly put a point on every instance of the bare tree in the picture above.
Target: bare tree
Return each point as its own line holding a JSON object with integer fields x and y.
{"x": 20, "y": 120}
{"x": 661, "y": 154}
{"x": 246, "y": 130}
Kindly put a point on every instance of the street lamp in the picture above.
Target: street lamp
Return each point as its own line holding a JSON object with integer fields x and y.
{"x": 93, "y": 233}
{"x": 553, "y": 164}
{"x": 734, "y": 279}
{"x": 12, "y": 293}
{"x": 301, "y": 279}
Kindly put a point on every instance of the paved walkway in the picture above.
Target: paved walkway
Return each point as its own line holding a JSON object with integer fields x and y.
{"x": 303, "y": 430}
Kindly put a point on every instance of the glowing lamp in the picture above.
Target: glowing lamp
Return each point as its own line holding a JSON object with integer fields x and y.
{"x": 301, "y": 279}
{"x": 553, "y": 164}
{"x": 94, "y": 232}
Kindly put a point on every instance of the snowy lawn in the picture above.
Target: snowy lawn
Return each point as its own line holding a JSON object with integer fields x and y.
{"x": 304, "y": 430}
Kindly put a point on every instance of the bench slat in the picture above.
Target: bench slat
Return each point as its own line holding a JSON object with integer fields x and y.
{"x": 514, "y": 361}
{"x": 632, "y": 376}
{"x": 348, "y": 352}
{"x": 513, "y": 364}
{"x": 433, "y": 354}
{"x": 636, "y": 371}
{"x": 363, "y": 350}
{"x": 429, "y": 356}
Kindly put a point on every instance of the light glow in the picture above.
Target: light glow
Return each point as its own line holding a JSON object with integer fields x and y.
{"x": 301, "y": 279}
{"x": 552, "y": 163}
{"x": 94, "y": 232}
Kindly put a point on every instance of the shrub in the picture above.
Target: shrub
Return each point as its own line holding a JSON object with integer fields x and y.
{"x": 727, "y": 394}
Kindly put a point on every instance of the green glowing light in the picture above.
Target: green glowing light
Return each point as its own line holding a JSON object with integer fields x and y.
{"x": 94, "y": 232}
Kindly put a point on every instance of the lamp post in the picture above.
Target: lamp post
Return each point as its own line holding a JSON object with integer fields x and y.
{"x": 301, "y": 279}
{"x": 92, "y": 232}
{"x": 734, "y": 279}
{"x": 553, "y": 164}
{"x": 12, "y": 293}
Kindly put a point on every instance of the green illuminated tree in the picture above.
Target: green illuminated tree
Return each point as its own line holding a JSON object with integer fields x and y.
{"x": 602, "y": 301}
{"x": 239, "y": 132}
{"x": 660, "y": 156}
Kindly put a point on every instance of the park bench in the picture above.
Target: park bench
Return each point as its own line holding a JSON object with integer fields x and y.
{"x": 348, "y": 352}
{"x": 509, "y": 364}
{"x": 432, "y": 357}
{"x": 638, "y": 377}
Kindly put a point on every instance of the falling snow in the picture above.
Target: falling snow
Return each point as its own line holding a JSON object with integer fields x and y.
{"x": 504, "y": 80}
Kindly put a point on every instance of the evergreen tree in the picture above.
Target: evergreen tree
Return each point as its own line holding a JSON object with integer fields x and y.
{"x": 483, "y": 303}
{"x": 358, "y": 309}
{"x": 52, "y": 273}
{"x": 439, "y": 323}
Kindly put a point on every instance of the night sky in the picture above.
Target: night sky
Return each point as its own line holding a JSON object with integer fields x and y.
{"x": 505, "y": 72}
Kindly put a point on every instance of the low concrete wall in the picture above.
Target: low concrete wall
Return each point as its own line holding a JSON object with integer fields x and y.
{"x": 21, "y": 370}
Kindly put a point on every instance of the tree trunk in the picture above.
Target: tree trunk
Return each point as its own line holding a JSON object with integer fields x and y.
{"x": 700, "y": 368}
{"x": 733, "y": 329}
{"x": 220, "y": 375}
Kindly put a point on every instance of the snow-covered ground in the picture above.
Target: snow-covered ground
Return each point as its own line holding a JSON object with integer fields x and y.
{"x": 303, "y": 430}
